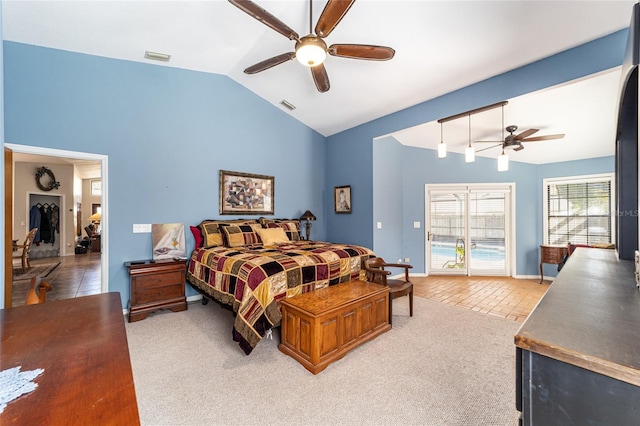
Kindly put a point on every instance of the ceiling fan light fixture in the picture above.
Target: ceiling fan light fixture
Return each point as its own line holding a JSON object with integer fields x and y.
{"x": 311, "y": 51}
{"x": 503, "y": 162}
{"x": 155, "y": 56}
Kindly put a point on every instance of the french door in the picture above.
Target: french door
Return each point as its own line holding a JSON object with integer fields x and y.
{"x": 468, "y": 229}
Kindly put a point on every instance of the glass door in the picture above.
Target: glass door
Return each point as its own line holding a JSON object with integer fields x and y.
{"x": 468, "y": 229}
{"x": 488, "y": 231}
{"x": 447, "y": 225}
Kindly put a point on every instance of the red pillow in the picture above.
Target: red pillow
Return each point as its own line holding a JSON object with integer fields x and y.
{"x": 197, "y": 235}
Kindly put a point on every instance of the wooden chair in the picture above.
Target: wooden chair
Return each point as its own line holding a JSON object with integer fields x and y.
{"x": 375, "y": 270}
{"x": 37, "y": 292}
{"x": 26, "y": 248}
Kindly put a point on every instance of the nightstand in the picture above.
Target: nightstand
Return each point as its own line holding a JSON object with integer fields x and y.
{"x": 156, "y": 285}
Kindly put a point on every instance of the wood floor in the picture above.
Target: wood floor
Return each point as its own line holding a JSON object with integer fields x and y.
{"x": 76, "y": 276}
{"x": 505, "y": 297}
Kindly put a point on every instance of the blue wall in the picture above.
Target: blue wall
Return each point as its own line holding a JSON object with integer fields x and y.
{"x": 420, "y": 166}
{"x": 167, "y": 133}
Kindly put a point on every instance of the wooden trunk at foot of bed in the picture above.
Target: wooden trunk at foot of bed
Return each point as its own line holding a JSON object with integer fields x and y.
{"x": 320, "y": 327}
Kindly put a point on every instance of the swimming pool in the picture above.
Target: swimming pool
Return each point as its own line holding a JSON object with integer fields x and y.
{"x": 444, "y": 256}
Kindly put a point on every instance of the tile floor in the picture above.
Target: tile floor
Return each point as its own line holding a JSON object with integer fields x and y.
{"x": 501, "y": 296}
{"x": 76, "y": 276}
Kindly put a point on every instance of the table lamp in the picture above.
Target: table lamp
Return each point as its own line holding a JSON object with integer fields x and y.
{"x": 308, "y": 216}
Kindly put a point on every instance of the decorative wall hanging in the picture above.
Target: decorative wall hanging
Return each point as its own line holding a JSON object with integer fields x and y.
{"x": 342, "y": 199}
{"x": 50, "y": 181}
{"x": 245, "y": 193}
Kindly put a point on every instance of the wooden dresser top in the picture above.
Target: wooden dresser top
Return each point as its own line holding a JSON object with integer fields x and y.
{"x": 589, "y": 317}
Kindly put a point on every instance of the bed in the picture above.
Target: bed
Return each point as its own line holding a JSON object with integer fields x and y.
{"x": 243, "y": 265}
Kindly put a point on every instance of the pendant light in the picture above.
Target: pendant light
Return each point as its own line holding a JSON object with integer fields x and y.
{"x": 442, "y": 148}
{"x": 503, "y": 159}
{"x": 469, "y": 152}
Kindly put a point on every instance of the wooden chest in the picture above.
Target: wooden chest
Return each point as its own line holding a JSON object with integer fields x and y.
{"x": 322, "y": 326}
{"x": 156, "y": 285}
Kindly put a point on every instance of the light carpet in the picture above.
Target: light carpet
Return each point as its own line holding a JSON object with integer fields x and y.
{"x": 35, "y": 271}
{"x": 446, "y": 365}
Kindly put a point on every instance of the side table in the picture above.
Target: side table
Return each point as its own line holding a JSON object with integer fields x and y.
{"x": 551, "y": 254}
{"x": 156, "y": 285}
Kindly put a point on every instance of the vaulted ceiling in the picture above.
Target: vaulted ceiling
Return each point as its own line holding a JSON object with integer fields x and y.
{"x": 440, "y": 46}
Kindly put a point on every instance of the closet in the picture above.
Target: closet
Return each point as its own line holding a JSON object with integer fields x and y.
{"x": 44, "y": 213}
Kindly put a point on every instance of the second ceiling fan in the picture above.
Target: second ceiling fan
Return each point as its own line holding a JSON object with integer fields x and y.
{"x": 513, "y": 141}
{"x": 311, "y": 50}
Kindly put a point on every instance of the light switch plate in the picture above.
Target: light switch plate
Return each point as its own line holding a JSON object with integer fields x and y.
{"x": 379, "y": 225}
{"x": 141, "y": 228}
{"x": 416, "y": 224}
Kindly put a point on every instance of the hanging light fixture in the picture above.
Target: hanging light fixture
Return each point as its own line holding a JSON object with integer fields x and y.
{"x": 503, "y": 162}
{"x": 503, "y": 159}
{"x": 469, "y": 152}
{"x": 442, "y": 148}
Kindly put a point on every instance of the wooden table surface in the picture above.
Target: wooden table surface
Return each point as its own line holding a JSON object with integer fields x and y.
{"x": 82, "y": 346}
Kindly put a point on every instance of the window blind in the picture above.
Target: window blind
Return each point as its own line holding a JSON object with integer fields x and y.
{"x": 579, "y": 212}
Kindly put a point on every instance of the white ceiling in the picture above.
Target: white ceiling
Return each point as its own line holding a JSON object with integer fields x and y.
{"x": 440, "y": 46}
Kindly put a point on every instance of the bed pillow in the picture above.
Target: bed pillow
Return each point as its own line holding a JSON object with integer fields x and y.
{"x": 197, "y": 235}
{"x": 239, "y": 235}
{"x": 291, "y": 228}
{"x": 272, "y": 236}
{"x": 212, "y": 235}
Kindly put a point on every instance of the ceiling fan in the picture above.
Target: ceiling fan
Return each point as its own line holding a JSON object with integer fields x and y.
{"x": 311, "y": 50}
{"x": 514, "y": 142}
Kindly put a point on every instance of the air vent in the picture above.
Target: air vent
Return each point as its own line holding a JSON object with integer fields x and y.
{"x": 288, "y": 104}
{"x": 157, "y": 56}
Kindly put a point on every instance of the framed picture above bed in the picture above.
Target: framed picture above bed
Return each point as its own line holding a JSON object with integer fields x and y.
{"x": 246, "y": 193}
{"x": 342, "y": 199}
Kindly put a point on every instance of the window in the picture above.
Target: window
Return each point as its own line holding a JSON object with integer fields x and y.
{"x": 96, "y": 187}
{"x": 579, "y": 210}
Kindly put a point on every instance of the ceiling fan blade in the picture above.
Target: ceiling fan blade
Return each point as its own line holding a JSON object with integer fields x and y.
{"x": 525, "y": 134}
{"x": 362, "y": 51}
{"x": 489, "y": 147}
{"x": 544, "y": 138}
{"x": 333, "y": 12}
{"x": 320, "y": 77}
{"x": 269, "y": 63}
{"x": 252, "y": 9}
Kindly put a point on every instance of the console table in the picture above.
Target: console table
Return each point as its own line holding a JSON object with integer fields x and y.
{"x": 551, "y": 254}
{"x": 577, "y": 353}
{"x": 82, "y": 346}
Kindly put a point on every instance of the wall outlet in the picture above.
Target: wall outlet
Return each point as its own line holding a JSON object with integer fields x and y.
{"x": 416, "y": 225}
{"x": 407, "y": 260}
{"x": 379, "y": 225}
{"x": 141, "y": 228}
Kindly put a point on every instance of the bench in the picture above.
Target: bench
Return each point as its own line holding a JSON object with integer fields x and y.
{"x": 322, "y": 326}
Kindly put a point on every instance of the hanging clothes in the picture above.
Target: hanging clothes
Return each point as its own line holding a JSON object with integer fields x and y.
{"x": 55, "y": 218}
{"x": 45, "y": 225}
{"x": 34, "y": 221}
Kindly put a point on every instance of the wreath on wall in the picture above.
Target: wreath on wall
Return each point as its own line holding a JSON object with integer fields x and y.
{"x": 52, "y": 182}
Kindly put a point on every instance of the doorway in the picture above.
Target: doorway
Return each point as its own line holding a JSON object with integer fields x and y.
{"x": 469, "y": 229}
{"x": 79, "y": 159}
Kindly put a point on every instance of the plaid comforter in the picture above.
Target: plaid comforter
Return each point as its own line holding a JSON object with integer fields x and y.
{"x": 253, "y": 279}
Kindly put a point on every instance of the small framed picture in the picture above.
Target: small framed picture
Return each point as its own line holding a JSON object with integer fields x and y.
{"x": 342, "y": 199}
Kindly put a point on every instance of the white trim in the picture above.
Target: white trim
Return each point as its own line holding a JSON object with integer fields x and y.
{"x": 104, "y": 222}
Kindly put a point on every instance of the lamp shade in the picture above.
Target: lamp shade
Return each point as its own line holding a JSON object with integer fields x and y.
{"x": 96, "y": 217}
{"x": 307, "y": 216}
